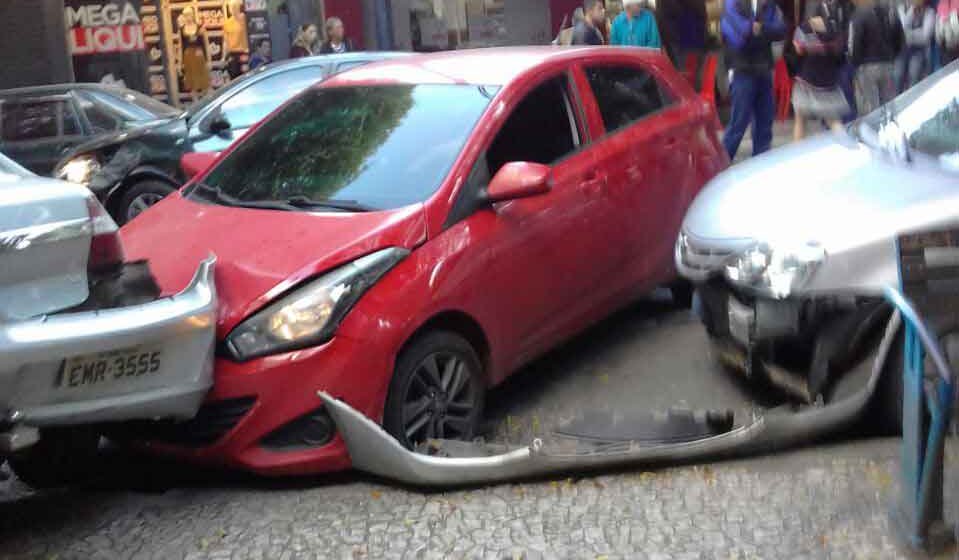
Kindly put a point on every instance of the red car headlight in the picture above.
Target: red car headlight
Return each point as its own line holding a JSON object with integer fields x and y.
{"x": 310, "y": 314}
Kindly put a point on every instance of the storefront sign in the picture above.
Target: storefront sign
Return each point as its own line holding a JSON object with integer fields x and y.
{"x": 103, "y": 28}
{"x": 106, "y": 40}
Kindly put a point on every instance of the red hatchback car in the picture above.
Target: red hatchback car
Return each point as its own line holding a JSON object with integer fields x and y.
{"x": 407, "y": 234}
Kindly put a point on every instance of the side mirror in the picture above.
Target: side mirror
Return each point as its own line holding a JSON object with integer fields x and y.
{"x": 518, "y": 179}
{"x": 195, "y": 163}
{"x": 218, "y": 124}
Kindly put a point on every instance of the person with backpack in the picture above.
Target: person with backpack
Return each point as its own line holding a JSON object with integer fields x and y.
{"x": 816, "y": 95}
{"x": 919, "y": 25}
{"x": 749, "y": 27}
{"x": 875, "y": 40}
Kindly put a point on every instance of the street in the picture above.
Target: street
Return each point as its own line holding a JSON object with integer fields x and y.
{"x": 830, "y": 500}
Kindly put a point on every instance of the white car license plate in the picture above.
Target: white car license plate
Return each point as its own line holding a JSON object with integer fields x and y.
{"x": 106, "y": 368}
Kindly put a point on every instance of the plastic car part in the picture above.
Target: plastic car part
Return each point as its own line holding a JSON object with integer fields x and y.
{"x": 373, "y": 450}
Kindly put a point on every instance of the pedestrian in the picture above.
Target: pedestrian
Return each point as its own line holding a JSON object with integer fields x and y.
{"x": 749, "y": 27}
{"x": 635, "y": 26}
{"x": 336, "y": 41}
{"x": 262, "y": 54}
{"x": 947, "y": 30}
{"x": 683, "y": 30}
{"x": 304, "y": 42}
{"x": 816, "y": 95}
{"x": 875, "y": 39}
{"x": 586, "y": 31}
{"x": 919, "y": 26}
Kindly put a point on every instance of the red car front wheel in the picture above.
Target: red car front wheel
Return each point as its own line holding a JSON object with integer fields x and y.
{"x": 436, "y": 392}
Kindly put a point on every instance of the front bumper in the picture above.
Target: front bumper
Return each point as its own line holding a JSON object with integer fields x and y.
{"x": 266, "y": 395}
{"x": 181, "y": 328}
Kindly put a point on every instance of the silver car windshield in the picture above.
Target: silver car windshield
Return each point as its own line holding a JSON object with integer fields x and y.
{"x": 924, "y": 119}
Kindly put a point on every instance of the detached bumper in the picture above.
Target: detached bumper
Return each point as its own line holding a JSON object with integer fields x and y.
{"x": 178, "y": 329}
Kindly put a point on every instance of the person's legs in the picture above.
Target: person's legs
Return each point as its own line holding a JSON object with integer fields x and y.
{"x": 846, "y": 74}
{"x": 884, "y": 84}
{"x": 799, "y": 125}
{"x": 764, "y": 108}
{"x": 741, "y": 98}
{"x": 917, "y": 66}
{"x": 899, "y": 74}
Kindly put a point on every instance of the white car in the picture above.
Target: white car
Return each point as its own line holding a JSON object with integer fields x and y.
{"x": 85, "y": 342}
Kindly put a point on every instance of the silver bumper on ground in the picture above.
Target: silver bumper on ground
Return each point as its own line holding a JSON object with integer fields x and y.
{"x": 374, "y": 451}
{"x": 180, "y": 327}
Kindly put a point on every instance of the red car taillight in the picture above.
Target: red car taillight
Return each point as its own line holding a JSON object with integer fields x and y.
{"x": 105, "y": 248}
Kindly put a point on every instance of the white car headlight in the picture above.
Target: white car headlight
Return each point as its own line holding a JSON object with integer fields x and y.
{"x": 310, "y": 314}
{"x": 773, "y": 271}
{"x": 79, "y": 170}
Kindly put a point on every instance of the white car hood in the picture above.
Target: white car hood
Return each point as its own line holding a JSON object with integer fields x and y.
{"x": 830, "y": 190}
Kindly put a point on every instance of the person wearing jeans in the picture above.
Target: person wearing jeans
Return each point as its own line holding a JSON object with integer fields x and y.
{"x": 919, "y": 26}
{"x": 749, "y": 27}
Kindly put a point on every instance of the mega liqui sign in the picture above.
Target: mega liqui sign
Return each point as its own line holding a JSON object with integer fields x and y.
{"x": 106, "y": 40}
{"x": 103, "y": 27}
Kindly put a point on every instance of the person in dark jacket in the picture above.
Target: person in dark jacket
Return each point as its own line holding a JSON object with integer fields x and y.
{"x": 336, "y": 41}
{"x": 875, "y": 39}
{"x": 816, "y": 94}
{"x": 586, "y": 31}
{"x": 749, "y": 27}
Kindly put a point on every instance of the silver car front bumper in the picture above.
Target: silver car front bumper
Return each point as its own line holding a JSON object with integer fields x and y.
{"x": 179, "y": 328}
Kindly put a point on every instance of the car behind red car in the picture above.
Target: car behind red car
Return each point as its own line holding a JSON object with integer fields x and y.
{"x": 407, "y": 234}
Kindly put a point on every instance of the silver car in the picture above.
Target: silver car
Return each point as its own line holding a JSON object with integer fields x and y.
{"x": 789, "y": 251}
{"x": 85, "y": 341}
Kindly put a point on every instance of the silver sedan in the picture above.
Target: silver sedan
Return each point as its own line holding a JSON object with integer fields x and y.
{"x": 790, "y": 250}
{"x": 85, "y": 339}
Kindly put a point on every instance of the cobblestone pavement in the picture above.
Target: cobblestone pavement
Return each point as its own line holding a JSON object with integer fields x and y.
{"x": 815, "y": 503}
{"x": 826, "y": 501}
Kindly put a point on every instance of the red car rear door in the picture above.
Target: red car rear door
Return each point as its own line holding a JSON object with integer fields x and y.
{"x": 645, "y": 157}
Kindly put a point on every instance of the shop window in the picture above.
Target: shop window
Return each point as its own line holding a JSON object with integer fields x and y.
{"x": 626, "y": 95}
{"x": 30, "y": 120}
{"x": 541, "y": 129}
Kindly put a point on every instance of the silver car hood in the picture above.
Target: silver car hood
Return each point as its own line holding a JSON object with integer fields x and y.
{"x": 831, "y": 190}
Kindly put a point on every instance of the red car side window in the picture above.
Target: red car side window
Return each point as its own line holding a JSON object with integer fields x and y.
{"x": 626, "y": 94}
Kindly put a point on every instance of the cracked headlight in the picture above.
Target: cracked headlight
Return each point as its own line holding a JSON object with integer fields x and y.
{"x": 775, "y": 272}
{"x": 79, "y": 170}
{"x": 310, "y": 314}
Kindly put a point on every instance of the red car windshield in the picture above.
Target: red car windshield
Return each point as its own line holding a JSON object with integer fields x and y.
{"x": 355, "y": 148}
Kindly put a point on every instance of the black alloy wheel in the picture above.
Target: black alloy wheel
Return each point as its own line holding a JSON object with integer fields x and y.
{"x": 436, "y": 392}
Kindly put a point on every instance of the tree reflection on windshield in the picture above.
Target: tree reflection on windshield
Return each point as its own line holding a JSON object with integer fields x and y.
{"x": 379, "y": 146}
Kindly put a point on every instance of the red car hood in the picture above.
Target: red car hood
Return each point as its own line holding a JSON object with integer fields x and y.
{"x": 260, "y": 253}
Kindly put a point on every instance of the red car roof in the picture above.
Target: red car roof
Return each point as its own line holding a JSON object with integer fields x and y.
{"x": 491, "y": 66}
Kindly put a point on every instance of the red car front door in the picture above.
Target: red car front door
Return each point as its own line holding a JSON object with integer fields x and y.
{"x": 547, "y": 253}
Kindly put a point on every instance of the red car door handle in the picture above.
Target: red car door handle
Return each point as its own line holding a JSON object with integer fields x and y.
{"x": 594, "y": 183}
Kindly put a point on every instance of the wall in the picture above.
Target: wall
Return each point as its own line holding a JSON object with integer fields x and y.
{"x": 32, "y": 31}
{"x": 560, "y": 8}
{"x": 351, "y": 12}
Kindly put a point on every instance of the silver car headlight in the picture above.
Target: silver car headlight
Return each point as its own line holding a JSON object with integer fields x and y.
{"x": 79, "y": 170}
{"x": 774, "y": 271}
{"x": 310, "y": 314}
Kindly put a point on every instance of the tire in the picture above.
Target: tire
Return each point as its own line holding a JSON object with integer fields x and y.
{"x": 139, "y": 197}
{"x": 682, "y": 292}
{"x": 62, "y": 457}
{"x": 421, "y": 405}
